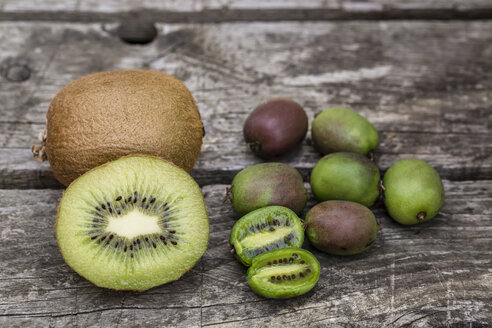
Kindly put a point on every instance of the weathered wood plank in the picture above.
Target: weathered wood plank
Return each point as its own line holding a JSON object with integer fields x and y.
{"x": 426, "y": 92}
{"x": 436, "y": 274}
{"x": 242, "y": 10}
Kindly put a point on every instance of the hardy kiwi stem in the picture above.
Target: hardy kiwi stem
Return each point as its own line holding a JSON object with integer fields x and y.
{"x": 39, "y": 151}
{"x": 255, "y": 146}
{"x": 421, "y": 216}
{"x": 371, "y": 155}
{"x": 227, "y": 196}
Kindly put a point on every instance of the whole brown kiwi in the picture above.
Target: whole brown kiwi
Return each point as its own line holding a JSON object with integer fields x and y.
{"x": 103, "y": 116}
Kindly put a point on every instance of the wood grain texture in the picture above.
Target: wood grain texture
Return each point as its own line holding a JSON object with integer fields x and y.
{"x": 436, "y": 274}
{"x": 424, "y": 85}
{"x": 207, "y": 11}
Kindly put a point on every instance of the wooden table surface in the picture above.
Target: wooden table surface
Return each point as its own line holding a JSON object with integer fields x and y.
{"x": 420, "y": 71}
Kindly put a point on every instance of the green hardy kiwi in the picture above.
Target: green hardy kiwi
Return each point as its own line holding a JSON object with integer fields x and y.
{"x": 103, "y": 116}
{"x": 339, "y": 129}
{"x": 265, "y": 229}
{"x": 345, "y": 176}
{"x": 132, "y": 224}
{"x": 413, "y": 191}
{"x": 268, "y": 184}
{"x": 283, "y": 273}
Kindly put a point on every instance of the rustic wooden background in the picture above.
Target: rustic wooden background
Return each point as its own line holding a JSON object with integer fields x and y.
{"x": 420, "y": 71}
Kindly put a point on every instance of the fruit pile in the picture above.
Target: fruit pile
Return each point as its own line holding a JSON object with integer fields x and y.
{"x": 345, "y": 182}
{"x": 132, "y": 218}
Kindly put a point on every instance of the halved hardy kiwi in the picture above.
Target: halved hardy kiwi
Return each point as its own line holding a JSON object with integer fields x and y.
{"x": 265, "y": 229}
{"x": 134, "y": 223}
{"x": 283, "y": 273}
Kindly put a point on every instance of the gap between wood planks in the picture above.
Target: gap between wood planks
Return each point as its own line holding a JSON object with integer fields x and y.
{"x": 366, "y": 12}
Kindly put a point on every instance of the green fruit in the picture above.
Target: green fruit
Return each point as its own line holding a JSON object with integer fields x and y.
{"x": 345, "y": 176}
{"x": 284, "y": 273}
{"x": 132, "y": 224}
{"x": 268, "y": 184}
{"x": 341, "y": 227}
{"x": 340, "y": 129}
{"x": 413, "y": 191}
{"x": 263, "y": 230}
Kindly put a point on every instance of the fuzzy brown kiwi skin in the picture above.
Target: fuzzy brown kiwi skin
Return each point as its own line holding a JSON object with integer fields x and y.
{"x": 128, "y": 289}
{"x": 87, "y": 120}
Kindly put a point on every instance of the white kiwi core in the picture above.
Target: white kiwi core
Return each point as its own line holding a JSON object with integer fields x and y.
{"x": 133, "y": 224}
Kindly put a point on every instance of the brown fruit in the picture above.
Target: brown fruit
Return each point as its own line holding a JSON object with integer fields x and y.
{"x": 275, "y": 127}
{"x": 103, "y": 116}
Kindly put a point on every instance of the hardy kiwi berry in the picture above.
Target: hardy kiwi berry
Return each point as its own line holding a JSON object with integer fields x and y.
{"x": 132, "y": 224}
{"x": 275, "y": 127}
{"x": 103, "y": 116}
{"x": 265, "y": 229}
{"x": 268, "y": 184}
{"x": 283, "y": 273}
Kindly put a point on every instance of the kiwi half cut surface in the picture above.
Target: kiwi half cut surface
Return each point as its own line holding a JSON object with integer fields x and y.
{"x": 133, "y": 224}
{"x": 265, "y": 229}
{"x": 284, "y": 273}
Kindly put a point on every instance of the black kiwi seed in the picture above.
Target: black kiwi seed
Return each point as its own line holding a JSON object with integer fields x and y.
{"x": 252, "y": 229}
{"x": 118, "y": 198}
{"x": 269, "y": 263}
{"x": 131, "y": 247}
{"x": 285, "y": 277}
{"x": 279, "y": 278}
{"x": 134, "y": 199}
{"x": 285, "y": 260}
{"x": 308, "y": 270}
{"x": 111, "y": 237}
{"x": 153, "y": 244}
{"x": 102, "y": 239}
{"x": 116, "y": 245}
{"x": 131, "y": 254}
{"x": 129, "y": 199}
{"x": 103, "y": 206}
{"x": 274, "y": 261}
{"x": 94, "y": 237}
{"x": 172, "y": 231}
{"x": 262, "y": 226}
{"x": 118, "y": 211}
{"x": 272, "y": 229}
{"x": 138, "y": 241}
{"x": 173, "y": 242}
{"x": 144, "y": 199}
{"x": 294, "y": 255}
{"x": 98, "y": 209}
{"x": 293, "y": 276}
{"x": 152, "y": 200}
{"x": 272, "y": 277}
{"x": 302, "y": 262}
{"x": 124, "y": 250}
{"x": 301, "y": 274}
{"x": 110, "y": 210}
{"x": 147, "y": 207}
{"x": 291, "y": 260}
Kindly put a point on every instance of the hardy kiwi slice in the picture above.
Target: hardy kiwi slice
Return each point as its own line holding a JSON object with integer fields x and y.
{"x": 265, "y": 229}
{"x": 132, "y": 224}
{"x": 283, "y": 273}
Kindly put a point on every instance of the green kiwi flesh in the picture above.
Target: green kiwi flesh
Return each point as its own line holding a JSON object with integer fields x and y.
{"x": 132, "y": 224}
{"x": 265, "y": 229}
{"x": 283, "y": 273}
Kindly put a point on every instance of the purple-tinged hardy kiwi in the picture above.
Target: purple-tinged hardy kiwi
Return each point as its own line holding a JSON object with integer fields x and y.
{"x": 345, "y": 176}
{"x": 275, "y": 127}
{"x": 339, "y": 129}
{"x": 132, "y": 224}
{"x": 103, "y": 116}
{"x": 341, "y": 227}
{"x": 413, "y": 191}
{"x": 283, "y": 273}
{"x": 268, "y": 184}
{"x": 263, "y": 230}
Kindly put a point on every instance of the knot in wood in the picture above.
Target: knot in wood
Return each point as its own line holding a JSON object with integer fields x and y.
{"x": 17, "y": 73}
{"x": 137, "y": 31}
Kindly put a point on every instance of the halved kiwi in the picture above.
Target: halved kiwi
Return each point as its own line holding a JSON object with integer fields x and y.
{"x": 265, "y": 229}
{"x": 283, "y": 273}
{"x": 132, "y": 224}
